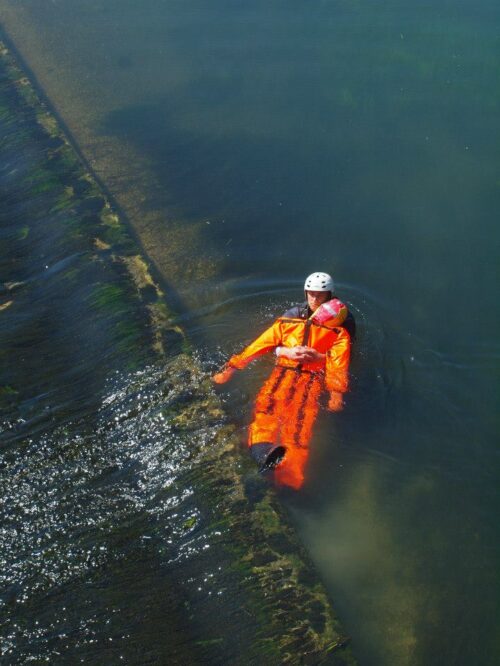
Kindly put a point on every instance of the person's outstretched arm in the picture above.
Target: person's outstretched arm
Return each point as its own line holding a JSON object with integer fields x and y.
{"x": 269, "y": 340}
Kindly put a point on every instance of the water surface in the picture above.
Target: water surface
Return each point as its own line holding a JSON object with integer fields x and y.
{"x": 250, "y": 144}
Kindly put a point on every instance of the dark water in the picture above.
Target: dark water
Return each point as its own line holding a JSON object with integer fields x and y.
{"x": 360, "y": 138}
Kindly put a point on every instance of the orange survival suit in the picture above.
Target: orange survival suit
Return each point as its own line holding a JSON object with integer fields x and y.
{"x": 288, "y": 402}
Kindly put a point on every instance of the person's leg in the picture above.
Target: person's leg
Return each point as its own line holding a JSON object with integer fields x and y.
{"x": 296, "y": 431}
{"x": 264, "y": 431}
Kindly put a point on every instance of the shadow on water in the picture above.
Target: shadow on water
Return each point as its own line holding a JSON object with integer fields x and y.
{"x": 91, "y": 208}
{"x": 210, "y": 176}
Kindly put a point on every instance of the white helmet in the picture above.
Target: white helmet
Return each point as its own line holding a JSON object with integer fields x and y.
{"x": 319, "y": 282}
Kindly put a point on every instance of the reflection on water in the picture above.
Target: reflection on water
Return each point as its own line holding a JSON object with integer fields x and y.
{"x": 252, "y": 144}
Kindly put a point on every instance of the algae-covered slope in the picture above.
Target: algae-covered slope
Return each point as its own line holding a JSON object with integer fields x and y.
{"x": 129, "y": 529}
{"x": 73, "y": 286}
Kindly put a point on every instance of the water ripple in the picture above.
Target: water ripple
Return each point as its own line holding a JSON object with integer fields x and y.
{"x": 90, "y": 493}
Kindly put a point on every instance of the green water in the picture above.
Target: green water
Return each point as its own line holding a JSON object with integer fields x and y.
{"x": 251, "y": 143}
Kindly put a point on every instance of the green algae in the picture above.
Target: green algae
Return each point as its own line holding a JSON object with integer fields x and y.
{"x": 65, "y": 200}
{"x": 211, "y": 642}
{"x": 76, "y": 195}
{"x": 129, "y": 336}
{"x": 189, "y": 523}
{"x": 7, "y": 391}
{"x": 43, "y": 185}
{"x": 48, "y": 122}
{"x": 8, "y": 396}
{"x": 74, "y": 211}
{"x": 109, "y": 297}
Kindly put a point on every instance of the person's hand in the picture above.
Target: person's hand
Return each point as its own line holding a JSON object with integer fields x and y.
{"x": 301, "y": 353}
{"x": 336, "y": 401}
{"x": 312, "y": 354}
{"x": 297, "y": 353}
{"x": 224, "y": 375}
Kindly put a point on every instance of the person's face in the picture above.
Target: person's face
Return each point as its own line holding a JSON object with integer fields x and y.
{"x": 315, "y": 298}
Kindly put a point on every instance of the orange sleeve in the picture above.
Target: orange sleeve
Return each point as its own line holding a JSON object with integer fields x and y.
{"x": 337, "y": 363}
{"x": 270, "y": 339}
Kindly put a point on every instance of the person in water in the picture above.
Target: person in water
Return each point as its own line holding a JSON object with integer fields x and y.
{"x": 312, "y": 344}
